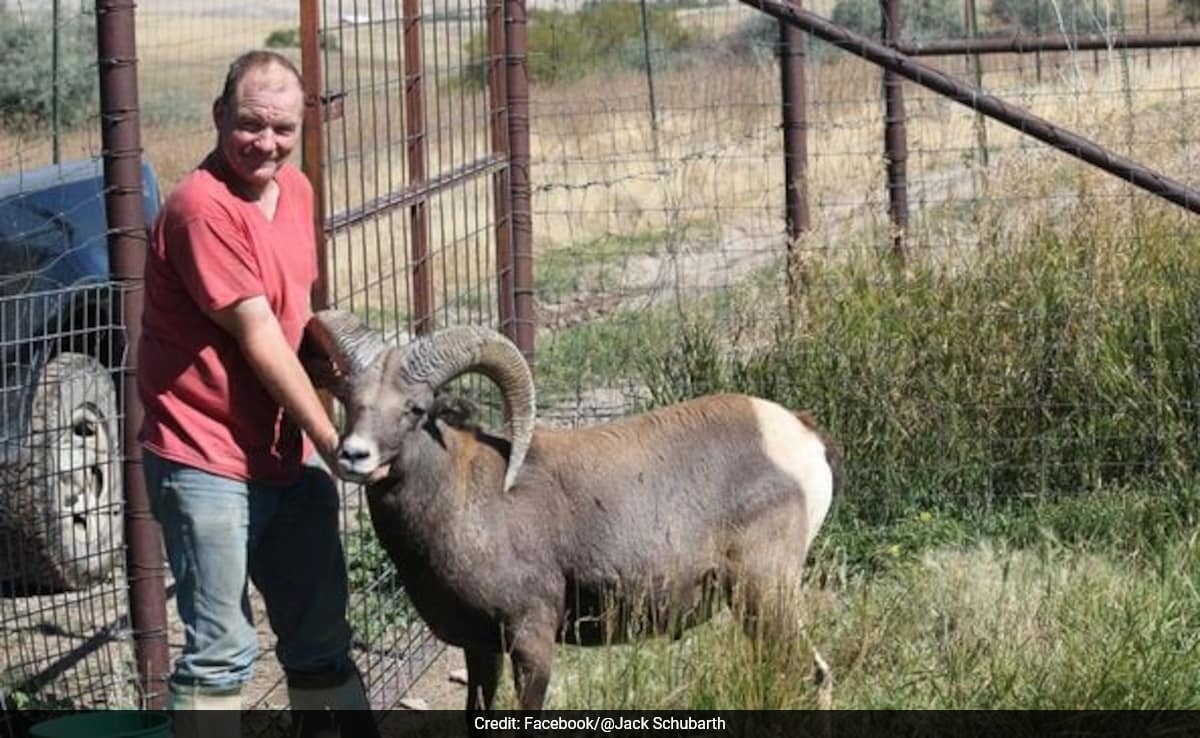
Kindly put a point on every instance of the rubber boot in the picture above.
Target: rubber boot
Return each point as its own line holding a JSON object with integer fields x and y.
{"x": 196, "y": 714}
{"x": 337, "y": 711}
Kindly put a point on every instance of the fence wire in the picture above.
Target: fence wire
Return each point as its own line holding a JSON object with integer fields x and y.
{"x": 49, "y": 100}
{"x": 658, "y": 166}
{"x": 64, "y": 625}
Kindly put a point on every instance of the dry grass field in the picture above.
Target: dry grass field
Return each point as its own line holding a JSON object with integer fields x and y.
{"x": 712, "y": 166}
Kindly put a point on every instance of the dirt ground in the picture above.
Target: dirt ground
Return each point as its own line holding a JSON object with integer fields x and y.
{"x": 433, "y": 690}
{"x": 436, "y": 689}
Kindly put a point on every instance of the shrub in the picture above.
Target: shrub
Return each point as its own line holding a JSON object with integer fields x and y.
{"x": 289, "y": 38}
{"x": 600, "y": 37}
{"x": 283, "y": 38}
{"x": 920, "y": 21}
{"x": 1077, "y": 16}
{"x": 1190, "y": 10}
{"x": 757, "y": 40}
{"x": 26, "y": 93}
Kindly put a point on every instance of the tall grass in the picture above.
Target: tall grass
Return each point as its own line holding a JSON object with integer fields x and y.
{"x": 1017, "y": 527}
{"x": 982, "y": 625}
{"x": 1053, "y": 367}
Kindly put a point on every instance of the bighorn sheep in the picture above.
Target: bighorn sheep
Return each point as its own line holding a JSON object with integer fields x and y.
{"x": 507, "y": 545}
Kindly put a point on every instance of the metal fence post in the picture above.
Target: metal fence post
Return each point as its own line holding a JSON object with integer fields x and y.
{"x": 313, "y": 146}
{"x": 895, "y": 136}
{"x": 972, "y": 13}
{"x": 650, "y": 79}
{"x": 418, "y": 173}
{"x": 1027, "y": 123}
{"x": 55, "y": 76}
{"x": 792, "y": 50}
{"x": 517, "y": 79}
{"x": 121, "y": 136}
{"x": 497, "y": 81}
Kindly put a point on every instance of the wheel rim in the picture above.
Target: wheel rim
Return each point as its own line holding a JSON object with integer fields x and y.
{"x": 84, "y": 470}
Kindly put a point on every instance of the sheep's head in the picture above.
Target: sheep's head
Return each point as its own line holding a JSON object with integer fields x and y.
{"x": 388, "y": 392}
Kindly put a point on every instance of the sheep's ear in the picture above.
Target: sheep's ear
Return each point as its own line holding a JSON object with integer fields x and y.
{"x": 324, "y": 374}
{"x": 321, "y": 368}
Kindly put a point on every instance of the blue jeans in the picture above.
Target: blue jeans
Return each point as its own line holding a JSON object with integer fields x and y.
{"x": 219, "y": 534}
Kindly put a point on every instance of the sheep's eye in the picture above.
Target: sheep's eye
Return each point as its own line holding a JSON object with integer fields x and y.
{"x": 416, "y": 409}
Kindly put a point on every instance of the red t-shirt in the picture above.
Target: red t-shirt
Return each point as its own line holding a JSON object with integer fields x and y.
{"x": 210, "y": 249}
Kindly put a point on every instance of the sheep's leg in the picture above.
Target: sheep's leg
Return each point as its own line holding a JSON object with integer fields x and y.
{"x": 532, "y": 657}
{"x": 823, "y": 677}
{"x": 770, "y": 609}
{"x": 483, "y": 676}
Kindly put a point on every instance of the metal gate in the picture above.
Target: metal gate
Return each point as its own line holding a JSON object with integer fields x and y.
{"x": 417, "y": 141}
{"x": 417, "y": 145}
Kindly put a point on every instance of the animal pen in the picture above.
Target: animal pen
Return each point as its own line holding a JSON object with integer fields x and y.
{"x": 639, "y": 194}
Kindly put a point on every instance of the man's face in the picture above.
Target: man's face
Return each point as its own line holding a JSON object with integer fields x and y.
{"x": 259, "y": 128}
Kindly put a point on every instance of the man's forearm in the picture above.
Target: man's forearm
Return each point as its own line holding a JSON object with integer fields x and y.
{"x": 281, "y": 373}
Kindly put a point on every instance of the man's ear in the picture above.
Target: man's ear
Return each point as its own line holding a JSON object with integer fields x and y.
{"x": 218, "y": 112}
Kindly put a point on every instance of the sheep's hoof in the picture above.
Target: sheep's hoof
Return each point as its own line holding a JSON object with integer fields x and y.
{"x": 823, "y": 678}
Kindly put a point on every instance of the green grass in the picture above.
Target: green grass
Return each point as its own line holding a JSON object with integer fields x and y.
{"x": 570, "y": 362}
{"x": 381, "y": 607}
{"x": 593, "y": 267}
{"x": 1021, "y": 439}
{"x": 600, "y": 37}
{"x": 1048, "y": 369}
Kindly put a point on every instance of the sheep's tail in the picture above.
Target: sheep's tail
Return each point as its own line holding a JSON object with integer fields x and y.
{"x": 833, "y": 452}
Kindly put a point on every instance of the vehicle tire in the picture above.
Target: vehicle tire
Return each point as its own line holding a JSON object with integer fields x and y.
{"x": 61, "y": 515}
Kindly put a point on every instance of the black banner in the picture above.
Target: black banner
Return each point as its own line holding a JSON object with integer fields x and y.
{"x": 715, "y": 724}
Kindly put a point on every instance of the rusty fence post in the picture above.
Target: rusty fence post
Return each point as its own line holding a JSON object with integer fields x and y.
{"x": 497, "y": 81}
{"x": 313, "y": 146}
{"x": 895, "y": 135}
{"x": 522, "y": 326}
{"x": 127, "y": 237}
{"x": 792, "y": 52}
{"x": 415, "y": 135}
{"x": 972, "y": 13}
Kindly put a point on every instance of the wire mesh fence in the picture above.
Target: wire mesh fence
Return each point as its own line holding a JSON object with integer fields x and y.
{"x": 661, "y": 242}
{"x": 64, "y": 606}
{"x": 49, "y": 104}
{"x": 410, "y": 158}
{"x": 1035, "y": 340}
{"x": 64, "y": 623}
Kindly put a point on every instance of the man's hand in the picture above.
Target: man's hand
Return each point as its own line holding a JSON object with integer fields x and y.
{"x": 327, "y": 447}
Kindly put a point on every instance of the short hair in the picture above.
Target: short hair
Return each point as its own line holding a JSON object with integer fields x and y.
{"x": 248, "y": 62}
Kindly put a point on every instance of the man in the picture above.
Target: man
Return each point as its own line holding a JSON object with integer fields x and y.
{"x": 234, "y": 433}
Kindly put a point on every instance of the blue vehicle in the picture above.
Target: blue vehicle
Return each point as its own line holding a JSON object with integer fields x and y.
{"x": 61, "y": 349}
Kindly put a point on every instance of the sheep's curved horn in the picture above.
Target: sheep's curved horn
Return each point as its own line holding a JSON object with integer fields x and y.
{"x": 342, "y": 335}
{"x": 439, "y": 358}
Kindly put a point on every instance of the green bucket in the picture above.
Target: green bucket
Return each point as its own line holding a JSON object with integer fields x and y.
{"x": 105, "y": 724}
